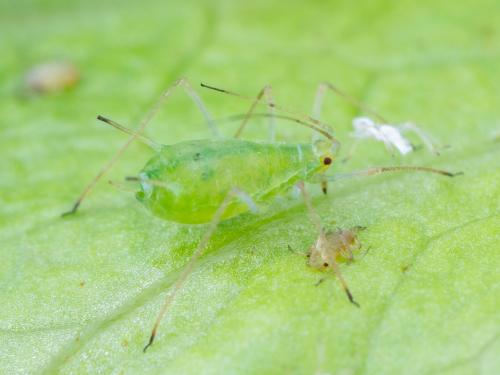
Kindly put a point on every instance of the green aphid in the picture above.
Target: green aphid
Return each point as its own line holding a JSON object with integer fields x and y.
{"x": 196, "y": 176}
{"x": 210, "y": 180}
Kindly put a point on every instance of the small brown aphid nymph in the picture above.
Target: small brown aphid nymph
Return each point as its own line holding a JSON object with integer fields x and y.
{"x": 333, "y": 247}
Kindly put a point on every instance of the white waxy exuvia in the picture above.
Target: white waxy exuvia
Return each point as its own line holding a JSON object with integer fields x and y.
{"x": 396, "y": 139}
{"x": 364, "y": 127}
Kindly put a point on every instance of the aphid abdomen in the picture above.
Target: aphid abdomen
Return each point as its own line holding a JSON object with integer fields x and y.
{"x": 189, "y": 180}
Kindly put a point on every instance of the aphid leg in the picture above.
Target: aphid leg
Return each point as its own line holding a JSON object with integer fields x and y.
{"x": 317, "y": 223}
{"x": 337, "y": 272}
{"x": 318, "y": 100}
{"x": 424, "y": 137}
{"x": 323, "y": 86}
{"x": 297, "y": 118}
{"x": 235, "y": 192}
{"x": 347, "y": 254}
{"x": 314, "y": 216}
{"x": 365, "y": 253}
{"x": 138, "y": 133}
{"x": 265, "y": 92}
{"x": 356, "y": 230}
{"x": 324, "y": 184}
{"x": 318, "y": 103}
{"x": 271, "y": 111}
{"x": 350, "y": 151}
{"x": 345, "y": 251}
{"x": 292, "y": 250}
{"x": 199, "y": 103}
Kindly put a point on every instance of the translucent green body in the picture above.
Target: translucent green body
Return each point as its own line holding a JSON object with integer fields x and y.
{"x": 191, "y": 179}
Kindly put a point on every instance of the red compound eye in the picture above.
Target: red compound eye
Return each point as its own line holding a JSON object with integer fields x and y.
{"x": 327, "y": 161}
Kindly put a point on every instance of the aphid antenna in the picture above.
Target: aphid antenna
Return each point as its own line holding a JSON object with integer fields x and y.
{"x": 298, "y": 118}
{"x": 239, "y": 117}
{"x": 146, "y": 140}
{"x": 228, "y": 119}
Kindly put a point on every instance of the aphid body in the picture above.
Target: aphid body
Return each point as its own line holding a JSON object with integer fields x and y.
{"x": 186, "y": 182}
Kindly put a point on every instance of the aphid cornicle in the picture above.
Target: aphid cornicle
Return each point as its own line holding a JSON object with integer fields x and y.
{"x": 206, "y": 181}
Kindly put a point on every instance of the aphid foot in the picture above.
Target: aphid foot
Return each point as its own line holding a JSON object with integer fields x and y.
{"x": 151, "y": 339}
{"x": 351, "y": 299}
{"x": 72, "y": 211}
{"x": 451, "y": 174}
{"x": 324, "y": 187}
{"x": 292, "y": 250}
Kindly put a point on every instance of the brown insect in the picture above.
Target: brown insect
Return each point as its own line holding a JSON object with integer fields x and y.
{"x": 332, "y": 248}
{"x": 52, "y": 76}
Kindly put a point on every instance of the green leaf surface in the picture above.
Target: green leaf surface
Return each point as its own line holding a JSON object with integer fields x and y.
{"x": 79, "y": 295}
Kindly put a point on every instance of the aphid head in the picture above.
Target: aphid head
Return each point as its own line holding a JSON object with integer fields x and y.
{"x": 319, "y": 256}
{"x": 326, "y": 151}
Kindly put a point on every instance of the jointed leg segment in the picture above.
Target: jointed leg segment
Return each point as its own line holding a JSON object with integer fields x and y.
{"x": 320, "y": 95}
{"x": 291, "y": 115}
{"x": 267, "y": 93}
{"x": 196, "y": 255}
